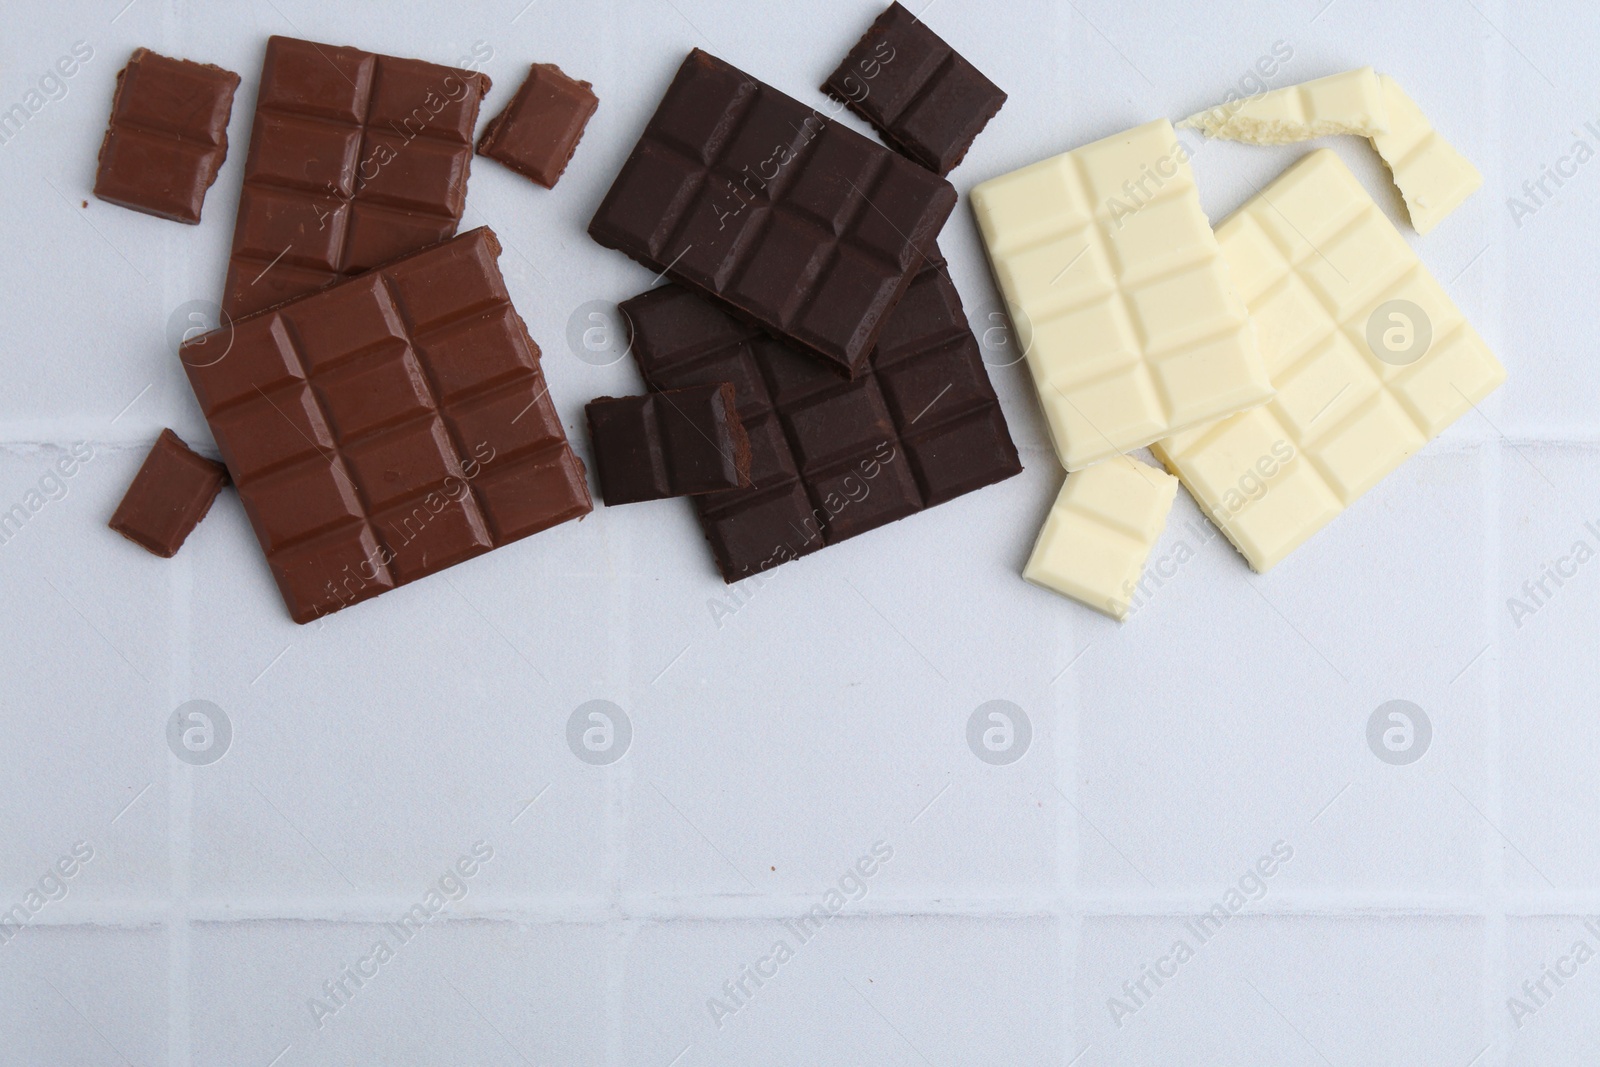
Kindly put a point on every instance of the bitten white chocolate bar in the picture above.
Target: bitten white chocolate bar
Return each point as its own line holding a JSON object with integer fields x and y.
{"x": 1352, "y": 102}
{"x": 1370, "y": 357}
{"x": 1433, "y": 177}
{"x": 1118, "y": 293}
{"x": 1099, "y": 533}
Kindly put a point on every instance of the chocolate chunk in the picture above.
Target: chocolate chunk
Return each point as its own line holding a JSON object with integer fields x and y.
{"x": 923, "y": 97}
{"x": 830, "y": 457}
{"x": 355, "y": 159}
{"x": 788, "y": 219}
{"x": 169, "y": 496}
{"x": 539, "y": 130}
{"x": 678, "y": 442}
{"x": 388, "y": 427}
{"x": 167, "y": 137}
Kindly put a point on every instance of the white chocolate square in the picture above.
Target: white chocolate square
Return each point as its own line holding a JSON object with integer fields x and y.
{"x": 1342, "y": 417}
{"x": 1352, "y": 102}
{"x": 1100, "y": 531}
{"x": 1119, "y": 294}
{"x": 1433, "y": 177}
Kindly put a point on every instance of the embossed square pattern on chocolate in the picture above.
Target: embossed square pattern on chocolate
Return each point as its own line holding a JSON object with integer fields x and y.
{"x": 388, "y": 427}
{"x": 785, "y": 217}
{"x": 830, "y": 457}
{"x": 355, "y": 159}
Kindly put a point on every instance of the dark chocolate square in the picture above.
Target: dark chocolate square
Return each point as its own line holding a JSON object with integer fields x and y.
{"x": 539, "y": 130}
{"x": 167, "y": 137}
{"x": 926, "y": 100}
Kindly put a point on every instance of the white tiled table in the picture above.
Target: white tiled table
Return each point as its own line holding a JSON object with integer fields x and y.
{"x": 829, "y": 712}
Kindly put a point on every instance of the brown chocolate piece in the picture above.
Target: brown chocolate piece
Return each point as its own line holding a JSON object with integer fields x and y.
{"x": 781, "y": 215}
{"x": 355, "y": 159}
{"x": 678, "y": 442}
{"x": 169, "y": 496}
{"x": 167, "y": 137}
{"x": 832, "y": 458}
{"x": 926, "y": 100}
{"x": 388, "y": 427}
{"x": 539, "y": 130}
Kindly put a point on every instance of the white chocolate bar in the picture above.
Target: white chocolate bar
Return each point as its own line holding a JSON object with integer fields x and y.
{"x": 1352, "y": 102}
{"x": 1330, "y": 284}
{"x": 1117, "y": 289}
{"x": 1433, "y": 177}
{"x": 1100, "y": 531}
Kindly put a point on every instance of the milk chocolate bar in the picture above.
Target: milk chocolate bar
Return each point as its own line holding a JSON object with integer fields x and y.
{"x": 355, "y": 159}
{"x": 388, "y": 427}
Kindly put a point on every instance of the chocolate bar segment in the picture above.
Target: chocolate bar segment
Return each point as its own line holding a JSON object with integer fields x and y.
{"x": 831, "y": 457}
{"x": 539, "y": 130}
{"x": 388, "y": 427}
{"x": 679, "y": 442}
{"x": 923, "y": 97}
{"x": 169, "y": 496}
{"x": 355, "y": 159}
{"x": 167, "y": 137}
{"x": 787, "y": 219}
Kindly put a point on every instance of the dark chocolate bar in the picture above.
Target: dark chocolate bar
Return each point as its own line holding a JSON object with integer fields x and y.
{"x": 388, "y": 427}
{"x": 678, "y": 442}
{"x": 539, "y": 130}
{"x": 830, "y": 457}
{"x": 355, "y": 159}
{"x": 786, "y": 218}
{"x": 167, "y": 137}
{"x": 169, "y": 496}
{"x": 923, "y": 97}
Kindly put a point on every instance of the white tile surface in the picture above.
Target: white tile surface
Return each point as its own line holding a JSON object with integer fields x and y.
{"x": 831, "y": 708}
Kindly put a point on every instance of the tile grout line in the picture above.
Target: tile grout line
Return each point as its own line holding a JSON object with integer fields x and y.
{"x": 1495, "y": 936}
{"x": 180, "y": 805}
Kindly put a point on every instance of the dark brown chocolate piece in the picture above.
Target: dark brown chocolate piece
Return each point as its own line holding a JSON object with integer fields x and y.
{"x": 169, "y": 496}
{"x": 785, "y": 217}
{"x": 832, "y": 458}
{"x": 926, "y": 100}
{"x": 539, "y": 130}
{"x": 388, "y": 427}
{"x": 355, "y": 159}
{"x": 678, "y": 442}
{"x": 167, "y": 137}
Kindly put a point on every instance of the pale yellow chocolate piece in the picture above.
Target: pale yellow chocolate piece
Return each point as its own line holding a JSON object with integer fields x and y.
{"x": 1433, "y": 177}
{"x": 1331, "y": 285}
{"x": 1353, "y": 102}
{"x": 1095, "y": 541}
{"x": 1119, "y": 295}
